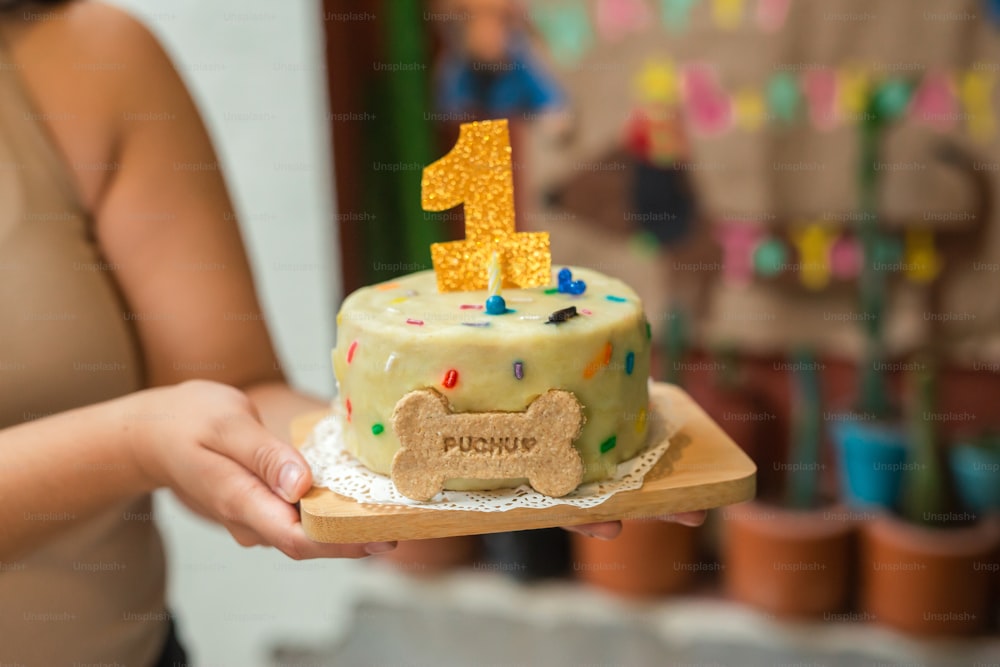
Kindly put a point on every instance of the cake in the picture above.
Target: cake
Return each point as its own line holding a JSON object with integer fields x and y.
{"x": 491, "y": 370}
{"x": 584, "y": 333}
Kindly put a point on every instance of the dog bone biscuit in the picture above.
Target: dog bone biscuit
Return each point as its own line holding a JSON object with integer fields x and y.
{"x": 437, "y": 444}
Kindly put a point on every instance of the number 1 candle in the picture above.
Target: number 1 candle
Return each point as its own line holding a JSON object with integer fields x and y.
{"x": 477, "y": 173}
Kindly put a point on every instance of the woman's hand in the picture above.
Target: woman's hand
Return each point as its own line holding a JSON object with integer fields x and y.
{"x": 205, "y": 441}
{"x": 608, "y": 530}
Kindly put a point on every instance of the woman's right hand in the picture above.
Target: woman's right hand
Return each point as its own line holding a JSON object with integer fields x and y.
{"x": 205, "y": 441}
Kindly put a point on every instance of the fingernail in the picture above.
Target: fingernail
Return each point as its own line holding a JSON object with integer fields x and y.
{"x": 379, "y": 547}
{"x": 288, "y": 478}
{"x": 588, "y": 533}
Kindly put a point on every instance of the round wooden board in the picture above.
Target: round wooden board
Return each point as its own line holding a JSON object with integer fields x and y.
{"x": 703, "y": 468}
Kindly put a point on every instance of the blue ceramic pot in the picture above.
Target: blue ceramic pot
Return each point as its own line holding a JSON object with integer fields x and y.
{"x": 872, "y": 461}
{"x": 977, "y": 477}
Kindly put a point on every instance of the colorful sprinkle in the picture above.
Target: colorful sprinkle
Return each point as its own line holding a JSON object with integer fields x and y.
{"x": 649, "y": 331}
{"x": 350, "y": 351}
{"x": 390, "y": 362}
{"x": 475, "y": 324}
{"x": 530, "y": 317}
{"x": 552, "y": 290}
{"x": 471, "y": 306}
{"x": 569, "y": 286}
{"x": 519, "y": 370}
{"x": 418, "y": 323}
{"x": 399, "y": 299}
{"x": 600, "y": 360}
{"x": 450, "y": 379}
{"x": 411, "y": 292}
{"x": 585, "y": 311}
{"x": 616, "y": 299}
{"x": 609, "y": 444}
{"x": 347, "y": 404}
{"x": 640, "y": 421}
{"x": 384, "y": 287}
{"x": 495, "y": 305}
{"x": 629, "y": 363}
{"x": 377, "y": 429}
{"x": 562, "y": 315}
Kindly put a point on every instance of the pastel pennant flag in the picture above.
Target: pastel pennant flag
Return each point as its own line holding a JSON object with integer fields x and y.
{"x": 974, "y": 92}
{"x": 921, "y": 259}
{"x": 820, "y": 88}
{"x": 852, "y": 91}
{"x": 738, "y": 240}
{"x": 566, "y": 30}
{"x": 770, "y": 257}
{"x": 845, "y": 258}
{"x": 813, "y": 243}
{"x": 749, "y": 109}
{"x": 934, "y": 102}
{"x": 771, "y": 14}
{"x": 783, "y": 96}
{"x": 727, "y": 14}
{"x": 618, "y": 18}
{"x": 707, "y": 105}
{"x": 657, "y": 82}
{"x": 676, "y": 14}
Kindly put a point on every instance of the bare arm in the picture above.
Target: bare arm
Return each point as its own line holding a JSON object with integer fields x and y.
{"x": 167, "y": 222}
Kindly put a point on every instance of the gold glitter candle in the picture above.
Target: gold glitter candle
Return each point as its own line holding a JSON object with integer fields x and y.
{"x": 477, "y": 173}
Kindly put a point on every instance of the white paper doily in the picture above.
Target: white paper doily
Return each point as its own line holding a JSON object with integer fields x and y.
{"x": 336, "y": 468}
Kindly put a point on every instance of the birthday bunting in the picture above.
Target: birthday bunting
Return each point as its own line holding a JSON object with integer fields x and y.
{"x": 819, "y": 253}
{"x": 826, "y": 97}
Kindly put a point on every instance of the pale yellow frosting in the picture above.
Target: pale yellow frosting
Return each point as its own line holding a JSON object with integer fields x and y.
{"x": 403, "y": 335}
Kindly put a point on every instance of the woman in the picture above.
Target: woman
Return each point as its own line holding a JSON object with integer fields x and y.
{"x": 122, "y": 369}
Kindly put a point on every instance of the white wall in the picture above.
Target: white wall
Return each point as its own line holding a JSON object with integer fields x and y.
{"x": 254, "y": 68}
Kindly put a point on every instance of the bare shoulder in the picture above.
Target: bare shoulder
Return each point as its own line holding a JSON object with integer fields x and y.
{"x": 88, "y": 65}
{"x": 85, "y": 28}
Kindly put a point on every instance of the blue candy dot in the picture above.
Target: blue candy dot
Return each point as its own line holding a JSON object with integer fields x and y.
{"x": 576, "y": 287}
{"x": 565, "y": 275}
{"x": 495, "y": 305}
{"x": 629, "y": 363}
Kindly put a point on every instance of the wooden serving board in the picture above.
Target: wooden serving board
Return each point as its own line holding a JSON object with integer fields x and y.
{"x": 703, "y": 468}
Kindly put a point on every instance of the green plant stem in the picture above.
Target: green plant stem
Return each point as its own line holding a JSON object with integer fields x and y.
{"x": 802, "y": 490}
{"x": 923, "y": 483}
{"x": 675, "y": 346}
{"x": 873, "y": 391}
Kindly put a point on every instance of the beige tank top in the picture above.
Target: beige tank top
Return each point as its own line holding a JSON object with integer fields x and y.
{"x": 95, "y": 594}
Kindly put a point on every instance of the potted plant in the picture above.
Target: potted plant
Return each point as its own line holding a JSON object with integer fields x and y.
{"x": 926, "y": 571}
{"x": 428, "y": 557}
{"x": 793, "y": 558}
{"x": 870, "y": 439}
{"x": 975, "y": 465}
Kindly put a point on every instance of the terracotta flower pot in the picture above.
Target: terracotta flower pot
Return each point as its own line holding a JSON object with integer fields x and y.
{"x": 648, "y": 558}
{"x": 421, "y": 557}
{"x": 929, "y": 581}
{"x": 789, "y": 563}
